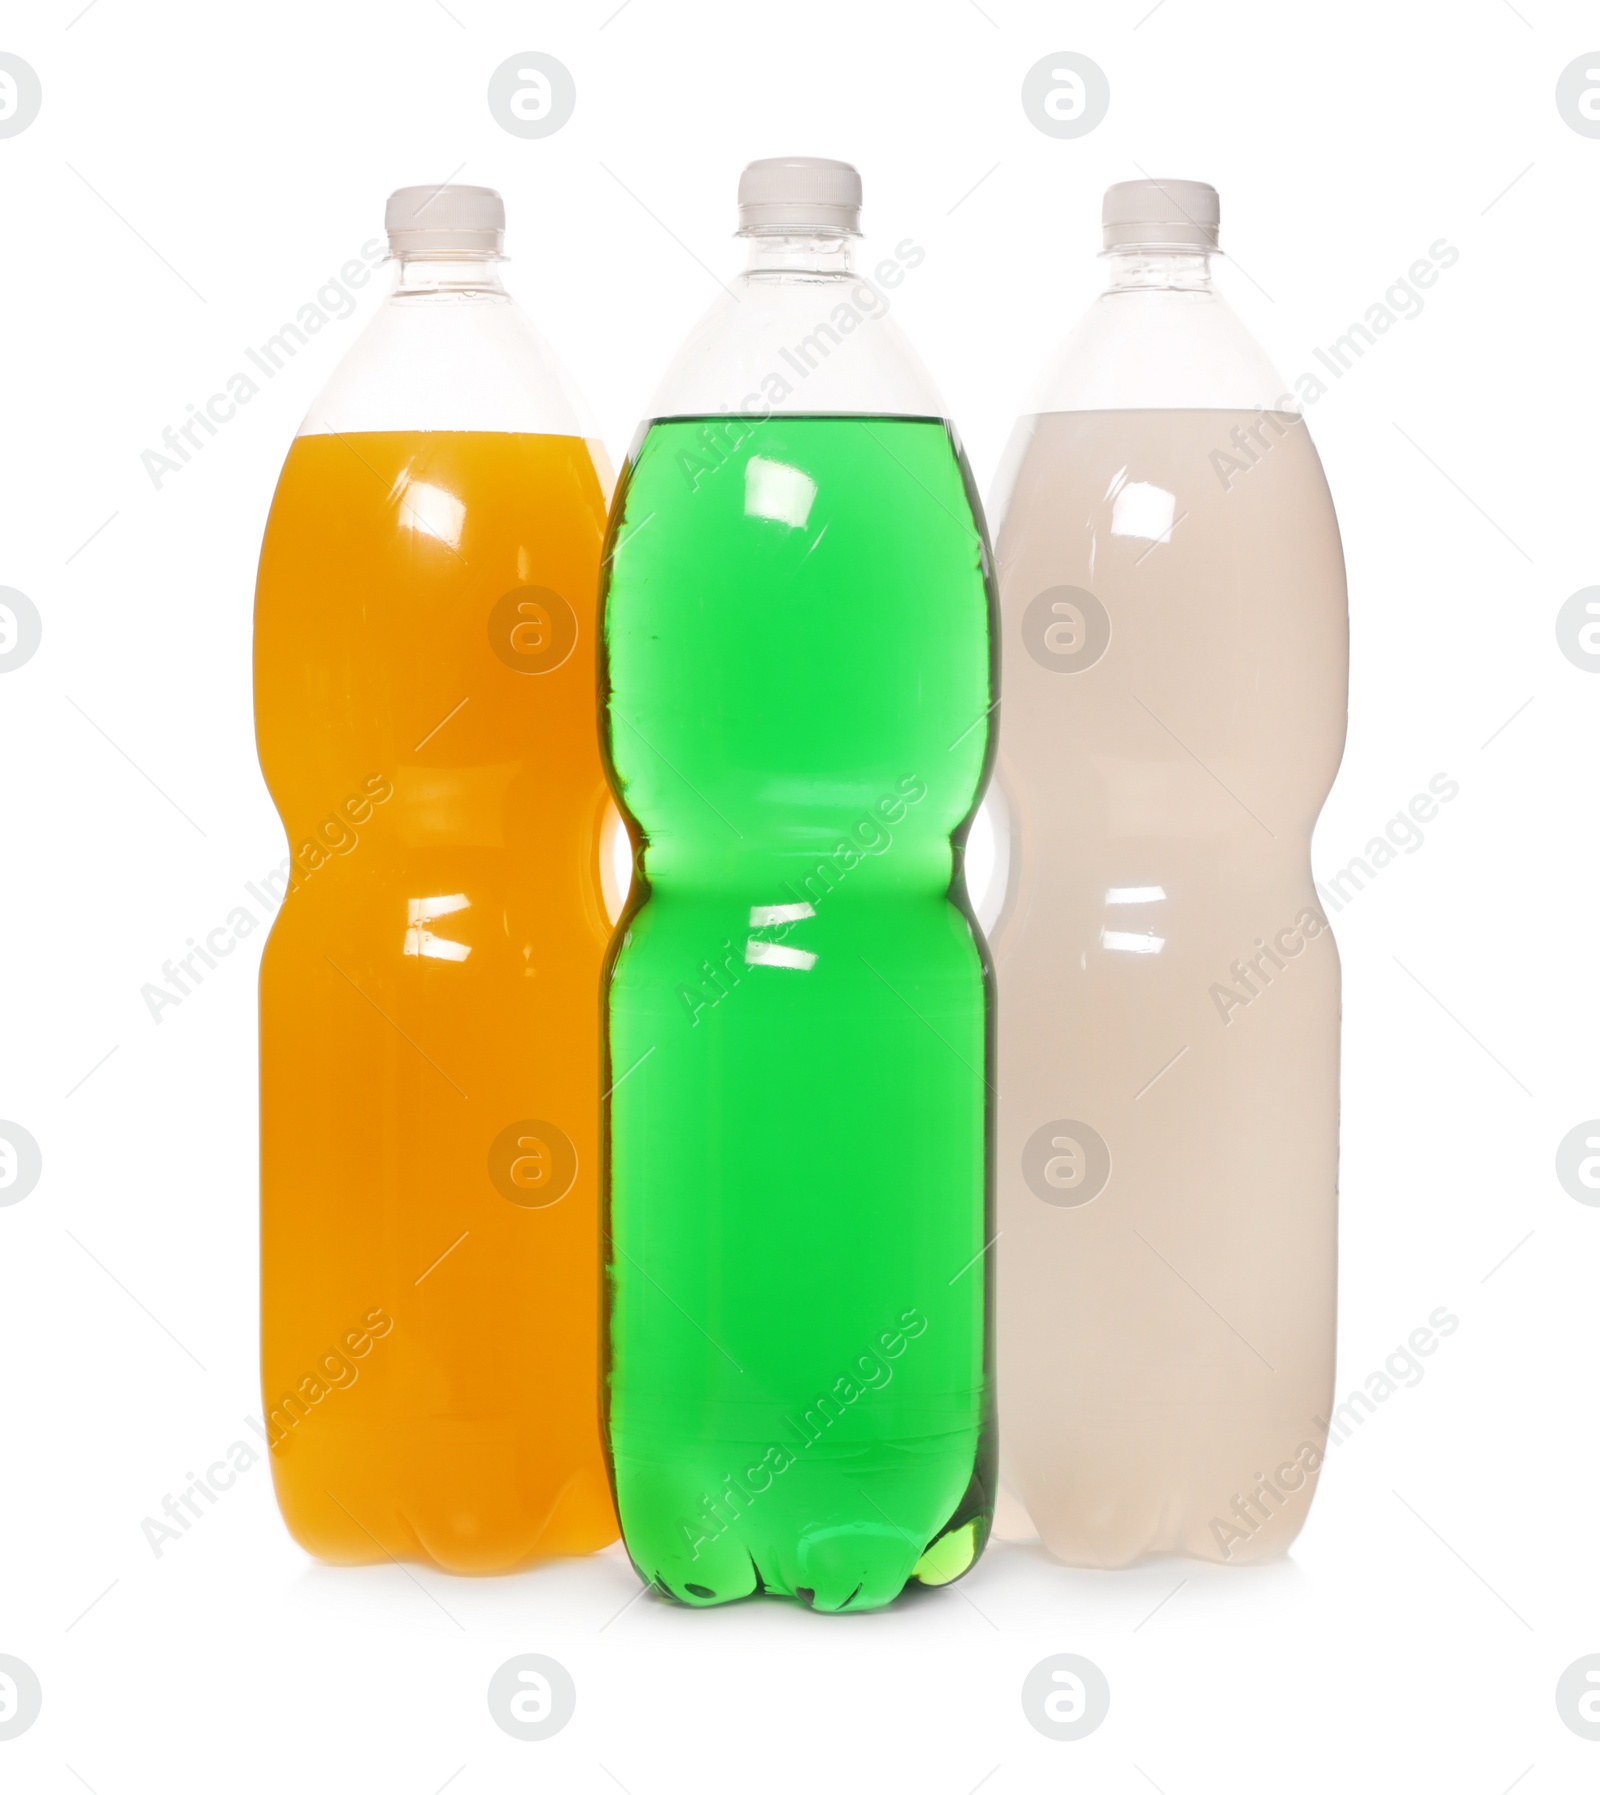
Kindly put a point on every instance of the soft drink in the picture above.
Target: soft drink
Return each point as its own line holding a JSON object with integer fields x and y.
{"x": 797, "y": 686}
{"x": 429, "y": 1033}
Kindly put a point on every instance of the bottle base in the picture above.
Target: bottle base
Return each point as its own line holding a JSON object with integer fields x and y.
{"x": 847, "y": 1579}
{"x": 834, "y": 1567}
{"x": 356, "y": 1519}
{"x": 1230, "y": 1537}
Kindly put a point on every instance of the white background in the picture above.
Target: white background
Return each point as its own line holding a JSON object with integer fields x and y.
{"x": 195, "y": 175}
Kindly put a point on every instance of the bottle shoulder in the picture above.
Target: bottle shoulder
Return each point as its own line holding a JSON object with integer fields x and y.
{"x": 1160, "y": 348}
{"x": 795, "y": 345}
{"x": 449, "y": 362}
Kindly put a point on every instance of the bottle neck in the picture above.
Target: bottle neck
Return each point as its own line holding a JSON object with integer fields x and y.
{"x": 420, "y": 276}
{"x": 1135, "y": 270}
{"x": 802, "y": 255}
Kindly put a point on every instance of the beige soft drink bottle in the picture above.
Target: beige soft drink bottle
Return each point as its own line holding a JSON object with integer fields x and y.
{"x": 1175, "y": 662}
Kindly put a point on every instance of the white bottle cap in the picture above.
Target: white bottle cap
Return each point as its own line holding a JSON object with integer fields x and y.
{"x": 1161, "y": 215}
{"x": 800, "y": 194}
{"x": 445, "y": 221}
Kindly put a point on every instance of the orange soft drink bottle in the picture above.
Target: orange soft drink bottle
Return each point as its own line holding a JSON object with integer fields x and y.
{"x": 424, "y": 685}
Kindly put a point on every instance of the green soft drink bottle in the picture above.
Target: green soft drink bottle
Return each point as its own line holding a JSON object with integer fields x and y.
{"x": 798, "y": 682}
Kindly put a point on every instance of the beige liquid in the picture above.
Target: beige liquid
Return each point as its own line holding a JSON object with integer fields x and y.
{"x": 1166, "y": 1345}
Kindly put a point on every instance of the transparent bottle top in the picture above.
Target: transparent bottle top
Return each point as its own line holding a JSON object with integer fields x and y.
{"x": 449, "y": 349}
{"x": 1160, "y": 337}
{"x": 802, "y": 330}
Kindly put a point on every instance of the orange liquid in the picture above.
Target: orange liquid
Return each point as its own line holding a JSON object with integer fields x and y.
{"x": 430, "y": 1049}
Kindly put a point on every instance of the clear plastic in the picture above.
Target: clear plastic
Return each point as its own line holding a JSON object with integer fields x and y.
{"x": 802, "y": 330}
{"x": 1174, "y": 667}
{"x": 449, "y": 349}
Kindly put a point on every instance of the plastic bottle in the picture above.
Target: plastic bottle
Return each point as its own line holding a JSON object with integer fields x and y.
{"x": 424, "y": 676}
{"x": 797, "y": 683}
{"x": 1173, "y": 599}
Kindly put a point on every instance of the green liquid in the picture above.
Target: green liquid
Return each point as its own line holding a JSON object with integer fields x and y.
{"x": 797, "y": 680}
